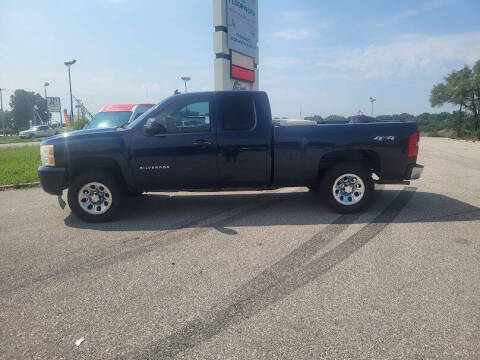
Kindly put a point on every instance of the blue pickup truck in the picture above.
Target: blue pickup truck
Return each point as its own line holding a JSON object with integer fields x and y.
{"x": 225, "y": 140}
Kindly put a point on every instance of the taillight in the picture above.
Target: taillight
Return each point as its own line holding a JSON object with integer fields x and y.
{"x": 413, "y": 140}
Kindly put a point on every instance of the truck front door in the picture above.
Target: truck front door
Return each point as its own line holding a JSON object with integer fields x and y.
{"x": 183, "y": 154}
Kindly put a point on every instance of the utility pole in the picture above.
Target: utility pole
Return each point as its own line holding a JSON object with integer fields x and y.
{"x": 45, "y": 84}
{"x": 372, "y": 100}
{"x": 3, "y": 114}
{"x": 69, "y": 63}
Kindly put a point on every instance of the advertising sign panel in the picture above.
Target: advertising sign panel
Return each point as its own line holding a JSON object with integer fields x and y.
{"x": 67, "y": 118}
{"x": 242, "y": 20}
{"x": 53, "y": 104}
{"x": 243, "y": 61}
{"x": 242, "y": 67}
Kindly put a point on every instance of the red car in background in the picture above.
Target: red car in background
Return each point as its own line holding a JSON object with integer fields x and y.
{"x": 117, "y": 115}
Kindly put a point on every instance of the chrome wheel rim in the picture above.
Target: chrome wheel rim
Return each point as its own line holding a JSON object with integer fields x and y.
{"x": 95, "y": 198}
{"x": 348, "y": 189}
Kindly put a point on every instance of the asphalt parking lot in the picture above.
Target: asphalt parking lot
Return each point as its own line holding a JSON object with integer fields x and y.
{"x": 251, "y": 275}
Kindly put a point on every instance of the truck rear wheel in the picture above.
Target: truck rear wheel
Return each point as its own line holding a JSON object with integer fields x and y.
{"x": 348, "y": 188}
{"x": 95, "y": 197}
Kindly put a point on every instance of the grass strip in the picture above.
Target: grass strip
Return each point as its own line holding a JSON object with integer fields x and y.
{"x": 19, "y": 165}
{"x": 17, "y": 139}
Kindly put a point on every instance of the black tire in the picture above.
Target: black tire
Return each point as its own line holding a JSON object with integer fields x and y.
{"x": 348, "y": 168}
{"x": 117, "y": 196}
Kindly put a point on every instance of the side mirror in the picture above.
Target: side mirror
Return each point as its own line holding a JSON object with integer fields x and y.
{"x": 153, "y": 127}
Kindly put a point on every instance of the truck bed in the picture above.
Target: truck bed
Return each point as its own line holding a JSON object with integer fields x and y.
{"x": 306, "y": 146}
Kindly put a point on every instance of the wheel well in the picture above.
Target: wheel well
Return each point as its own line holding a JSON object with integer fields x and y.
{"x": 367, "y": 158}
{"x": 84, "y": 165}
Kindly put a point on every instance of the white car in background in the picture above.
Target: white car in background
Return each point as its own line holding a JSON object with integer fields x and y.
{"x": 38, "y": 131}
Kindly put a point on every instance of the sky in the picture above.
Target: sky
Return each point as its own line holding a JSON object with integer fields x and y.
{"x": 316, "y": 57}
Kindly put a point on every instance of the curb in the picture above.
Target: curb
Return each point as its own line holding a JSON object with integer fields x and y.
{"x": 20, "y": 186}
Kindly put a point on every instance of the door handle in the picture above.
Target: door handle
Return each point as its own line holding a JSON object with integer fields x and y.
{"x": 201, "y": 142}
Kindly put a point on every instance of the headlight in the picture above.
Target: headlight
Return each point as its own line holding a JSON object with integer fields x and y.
{"x": 47, "y": 155}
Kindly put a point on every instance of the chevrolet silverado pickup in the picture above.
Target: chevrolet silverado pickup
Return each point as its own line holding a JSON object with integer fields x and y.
{"x": 225, "y": 141}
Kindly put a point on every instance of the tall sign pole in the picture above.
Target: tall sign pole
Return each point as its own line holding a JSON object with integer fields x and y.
{"x": 235, "y": 46}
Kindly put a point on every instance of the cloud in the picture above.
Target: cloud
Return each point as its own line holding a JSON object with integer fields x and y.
{"x": 280, "y": 62}
{"x": 426, "y": 6}
{"x": 333, "y": 75}
{"x": 294, "y": 34}
{"x": 293, "y": 15}
{"x": 404, "y": 56}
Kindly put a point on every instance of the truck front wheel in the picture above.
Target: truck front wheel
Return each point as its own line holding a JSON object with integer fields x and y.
{"x": 95, "y": 197}
{"x": 348, "y": 188}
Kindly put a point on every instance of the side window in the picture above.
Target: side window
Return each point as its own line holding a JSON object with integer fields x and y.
{"x": 43, "y": 128}
{"x": 186, "y": 117}
{"x": 238, "y": 113}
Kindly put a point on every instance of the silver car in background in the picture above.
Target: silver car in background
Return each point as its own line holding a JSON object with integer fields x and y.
{"x": 38, "y": 131}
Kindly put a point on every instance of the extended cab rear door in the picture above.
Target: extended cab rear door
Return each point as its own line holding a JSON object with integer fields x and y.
{"x": 244, "y": 137}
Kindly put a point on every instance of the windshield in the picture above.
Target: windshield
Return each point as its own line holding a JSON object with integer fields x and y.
{"x": 109, "y": 119}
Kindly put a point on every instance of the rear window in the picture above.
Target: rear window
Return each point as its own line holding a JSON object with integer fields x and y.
{"x": 238, "y": 113}
{"x": 109, "y": 119}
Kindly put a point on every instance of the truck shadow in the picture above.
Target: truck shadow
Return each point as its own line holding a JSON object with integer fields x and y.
{"x": 219, "y": 210}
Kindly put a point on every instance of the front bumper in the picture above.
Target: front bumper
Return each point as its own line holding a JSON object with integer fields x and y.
{"x": 52, "y": 179}
{"x": 413, "y": 172}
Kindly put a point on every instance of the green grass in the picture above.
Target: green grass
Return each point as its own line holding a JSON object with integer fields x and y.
{"x": 17, "y": 139}
{"x": 19, "y": 165}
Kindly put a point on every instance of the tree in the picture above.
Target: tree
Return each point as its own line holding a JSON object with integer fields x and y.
{"x": 462, "y": 88}
{"x": 22, "y": 104}
{"x": 384, "y": 118}
{"x": 317, "y": 118}
{"x": 335, "y": 118}
{"x": 6, "y": 118}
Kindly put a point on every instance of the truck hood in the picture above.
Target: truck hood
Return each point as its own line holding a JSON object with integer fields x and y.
{"x": 91, "y": 132}
{"x": 83, "y": 134}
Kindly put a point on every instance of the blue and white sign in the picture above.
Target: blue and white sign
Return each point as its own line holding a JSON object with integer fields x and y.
{"x": 242, "y": 17}
{"x": 53, "y": 104}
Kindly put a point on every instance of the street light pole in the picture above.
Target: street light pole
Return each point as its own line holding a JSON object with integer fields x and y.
{"x": 45, "y": 84}
{"x": 3, "y": 114}
{"x": 69, "y": 63}
{"x": 372, "y": 100}
{"x": 185, "y": 79}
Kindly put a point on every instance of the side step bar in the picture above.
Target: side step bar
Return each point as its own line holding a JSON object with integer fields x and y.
{"x": 393, "y": 182}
